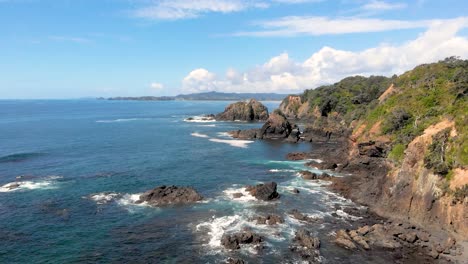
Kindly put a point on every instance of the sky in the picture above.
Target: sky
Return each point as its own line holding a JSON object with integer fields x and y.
{"x": 92, "y": 48}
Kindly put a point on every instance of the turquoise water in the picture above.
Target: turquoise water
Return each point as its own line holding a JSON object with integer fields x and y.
{"x": 81, "y": 163}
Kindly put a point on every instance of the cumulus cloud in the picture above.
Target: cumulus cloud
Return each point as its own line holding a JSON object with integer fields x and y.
{"x": 156, "y": 86}
{"x": 283, "y": 74}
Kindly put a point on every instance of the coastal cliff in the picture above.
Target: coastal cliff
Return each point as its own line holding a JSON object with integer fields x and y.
{"x": 404, "y": 139}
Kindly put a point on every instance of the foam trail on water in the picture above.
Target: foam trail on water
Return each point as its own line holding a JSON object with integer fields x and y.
{"x": 234, "y": 143}
{"x": 195, "y": 134}
{"x": 47, "y": 183}
{"x": 121, "y": 120}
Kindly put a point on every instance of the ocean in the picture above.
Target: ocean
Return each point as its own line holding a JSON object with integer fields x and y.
{"x": 81, "y": 165}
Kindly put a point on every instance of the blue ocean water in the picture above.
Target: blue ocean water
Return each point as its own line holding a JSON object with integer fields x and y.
{"x": 80, "y": 165}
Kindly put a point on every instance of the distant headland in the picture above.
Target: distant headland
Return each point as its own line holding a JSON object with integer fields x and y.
{"x": 206, "y": 96}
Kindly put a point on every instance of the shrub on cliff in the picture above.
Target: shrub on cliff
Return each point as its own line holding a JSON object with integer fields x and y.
{"x": 435, "y": 158}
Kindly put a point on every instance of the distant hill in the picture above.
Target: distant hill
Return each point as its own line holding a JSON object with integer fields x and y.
{"x": 208, "y": 96}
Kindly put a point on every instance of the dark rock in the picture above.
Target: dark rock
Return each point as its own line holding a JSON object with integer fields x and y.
{"x": 300, "y": 216}
{"x": 265, "y": 192}
{"x": 296, "y": 191}
{"x": 164, "y": 195}
{"x": 244, "y": 111}
{"x": 235, "y": 261}
{"x": 233, "y": 241}
{"x": 276, "y": 127}
{"x": 244, "y": 134}
{"x": 269, "y": 220}
{"x": 297, "y": 156}
{"x": 237, "y": 195}
{"x": 307, "y": 175}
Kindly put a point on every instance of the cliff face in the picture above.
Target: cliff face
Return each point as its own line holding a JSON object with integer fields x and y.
{"x": 412, "y": 192}
{"x": 408, "y": 141}
{"x": 244, "y": 111}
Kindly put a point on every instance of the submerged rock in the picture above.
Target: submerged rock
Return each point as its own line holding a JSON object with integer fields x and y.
{"x": 234, "y": 261}
{"x": 164, "y": 195}
{"x": 244, "y": 111}
{"x": 300, "y": 216}
{"x": 265, "y": 192}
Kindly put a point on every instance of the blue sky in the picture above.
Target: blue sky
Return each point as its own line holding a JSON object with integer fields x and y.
{"x": 73, "y": 49}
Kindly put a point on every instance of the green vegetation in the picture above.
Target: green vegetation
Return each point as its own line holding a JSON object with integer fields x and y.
{"x": 435, "y": 158}
{"x": 397, "y": 153}
{"x": 423, "y": 97}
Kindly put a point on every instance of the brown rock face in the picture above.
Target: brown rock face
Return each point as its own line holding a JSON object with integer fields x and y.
{"x": 164, "y": 195}
{"x": 244, "y": 111}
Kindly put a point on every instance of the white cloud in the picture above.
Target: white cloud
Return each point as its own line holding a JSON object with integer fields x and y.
{"x": 182, "y": 9}
{"x": 315, "y": 26}
{"x": 376, "y": 5}
{"x": 199, "y": 80}
{"x": 328, "y": 65}
{"x": 156, "y": 86}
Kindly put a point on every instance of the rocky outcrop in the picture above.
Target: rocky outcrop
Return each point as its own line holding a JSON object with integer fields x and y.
{"x": 277, "y": 127}
{"x": 264, "y": 192}
{"x": 244, "y": 111}
{"x": 165, "y": 195}
{"x": 294, "y": 213}
{"x": 307, "y": 245}
{"x": 307, "y": 175}
{"x": 269, "y": 220}
{"x": 233, "y": 241}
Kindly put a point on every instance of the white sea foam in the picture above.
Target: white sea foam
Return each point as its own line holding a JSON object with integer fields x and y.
{"x": 246, "y": 196}
{"x": 122, "y": 120}
{"x": 195, "y": 134}
{"x": 210, "y": 125}
{"x": 234, "y": 143}
{"x": 224, "y": 134}
{"x": 104, "y": 198}
{"x": 281, "y": 170}
{"x": 345, "y": 215}
{"x": 131, "y": 199}
{"x": 200, "y": 119}
{"x": 42, "y": 184}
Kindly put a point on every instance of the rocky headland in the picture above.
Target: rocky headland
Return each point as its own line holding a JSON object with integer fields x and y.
{"x": 402, "y": 141}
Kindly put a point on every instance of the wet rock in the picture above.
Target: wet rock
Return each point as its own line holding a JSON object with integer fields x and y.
{"x": 305, "y": 239}
{"x": 297, "y": 156}
{"x": 300, "y": 216}
{"x": 237, "y": 195}
{"x": 244, "y": 111}
{"x": 233, "y": 241}
{"x": 264, "y": 192}
{"x": 269, "y": 220}
{"x": 244, "y": 134}
{"x": 234, "y": 261}
{"x": 11, "y": 186}
{"x": 295, "y": 190}
{"x": 307, "y": 175}
{"x": 164, "y": 195}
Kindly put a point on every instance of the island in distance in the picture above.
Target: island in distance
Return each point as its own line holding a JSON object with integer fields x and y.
{"x": 207, "y": 96}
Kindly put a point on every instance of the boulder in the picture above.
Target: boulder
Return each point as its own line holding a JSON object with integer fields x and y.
{"x": 244, "y": 134}
{"x": 300, "y": 216}
{"x": 233, "y": 241}
{"x": 265, "y": 192}
{"x": 307, "y": 175}
{"x": 164, "y": 195}
{"x": 295, "y": 190}
{"x": 305, "y": 239}
{"x": 269, "y": 220}
{"x": 344, "y": 240}
{"x": 276, "y": 127}
{"x": 244, "y": 111}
